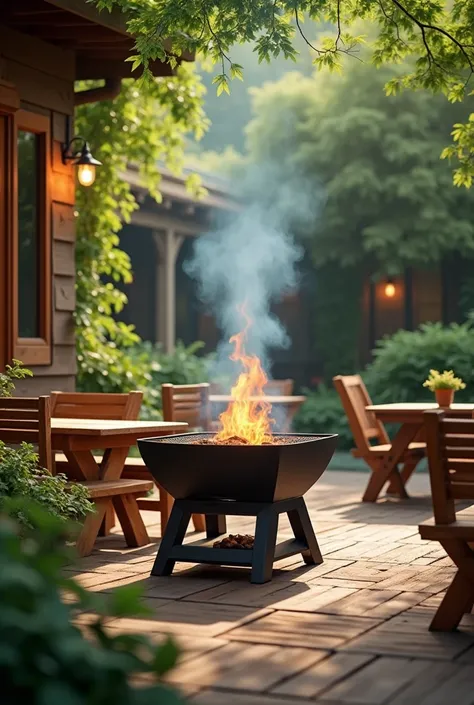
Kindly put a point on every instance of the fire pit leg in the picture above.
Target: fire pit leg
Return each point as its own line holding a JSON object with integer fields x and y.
{"x": 264, "y": 547}
{"x": 303, "y": 531}
{"x": 216, "y": 525}
{"x": 174, "y": 534}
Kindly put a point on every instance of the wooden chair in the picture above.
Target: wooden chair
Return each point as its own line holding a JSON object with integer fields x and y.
{"x": 188, "y": 403}
{"x": 29, "y": 420}
{"x": 83, "y": 405}
{"x": 450, "y": 449}
{"x": 23, "y": 419}
{"x": 279, "y": 387}
{"x": 372, "y": 441}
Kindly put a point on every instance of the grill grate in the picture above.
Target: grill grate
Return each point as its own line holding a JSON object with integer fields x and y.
{"x": 191, "y": 438}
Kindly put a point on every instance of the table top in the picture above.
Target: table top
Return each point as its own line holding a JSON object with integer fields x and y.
{"x": 416, "y": 409}
{"x": 107, "y": 427}
{"x": 227, "y": 398}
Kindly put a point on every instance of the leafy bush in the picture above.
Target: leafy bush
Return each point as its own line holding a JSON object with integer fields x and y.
{"x": 403, "y": 361}
{"x": 322, "y": 412}
{"x": 148, "y": 367}
{"x": 20, "y": 476}
{"x": 182, "y": 366}
{"x": 12, "y": 372}
{"x": 46, "y": 659}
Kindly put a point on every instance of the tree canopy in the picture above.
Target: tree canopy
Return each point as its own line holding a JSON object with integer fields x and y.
{"x": 437, "y": 36}
{"x": 385, "y": 196}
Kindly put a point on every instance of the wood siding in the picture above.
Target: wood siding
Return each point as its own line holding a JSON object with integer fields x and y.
{"x": 43, "y": 75}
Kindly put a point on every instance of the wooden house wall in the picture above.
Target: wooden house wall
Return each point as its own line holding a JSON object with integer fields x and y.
{"x": 44, "y": 78}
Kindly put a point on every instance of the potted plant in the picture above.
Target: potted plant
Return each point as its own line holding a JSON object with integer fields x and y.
{"x": 444, "y": 384}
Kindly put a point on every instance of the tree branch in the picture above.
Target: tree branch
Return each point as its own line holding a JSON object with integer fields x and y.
{"x": 423, "y": 27}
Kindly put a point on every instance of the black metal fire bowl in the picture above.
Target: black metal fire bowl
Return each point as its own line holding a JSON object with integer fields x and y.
{"x": 217, "y": 481}
{"x": 267, "y": 473}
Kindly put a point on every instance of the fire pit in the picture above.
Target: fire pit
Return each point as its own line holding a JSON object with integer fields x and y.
{"x": 237, "y": 480}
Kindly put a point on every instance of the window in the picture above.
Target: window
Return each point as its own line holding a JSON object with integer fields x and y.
{"x": 25, "y": 240}
{"x": 28, "y": 243}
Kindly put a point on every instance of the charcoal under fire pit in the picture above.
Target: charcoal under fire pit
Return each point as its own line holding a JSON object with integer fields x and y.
{"x": 237, "y": 480}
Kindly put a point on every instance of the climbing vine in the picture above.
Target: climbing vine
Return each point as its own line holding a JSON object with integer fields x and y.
{"x": 144, "y": 125}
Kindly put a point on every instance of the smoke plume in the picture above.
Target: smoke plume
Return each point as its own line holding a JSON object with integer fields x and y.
{"x": 252, "y": 259}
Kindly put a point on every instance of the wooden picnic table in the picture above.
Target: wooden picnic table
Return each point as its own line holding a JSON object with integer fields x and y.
{"x": 290, "y": 404}
{"x": 78, "y": 439}
{"x": 410, "y": 417}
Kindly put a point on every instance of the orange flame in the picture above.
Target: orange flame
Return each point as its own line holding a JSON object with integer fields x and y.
{"x": 247, "y": 416}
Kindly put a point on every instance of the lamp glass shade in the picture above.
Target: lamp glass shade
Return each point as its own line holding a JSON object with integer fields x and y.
{"x": 389, "y": 290}
{"x": 86, "y": 174}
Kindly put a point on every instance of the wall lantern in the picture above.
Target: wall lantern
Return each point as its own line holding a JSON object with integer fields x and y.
{"x": 390, "y": 289}
{"x": 82, "y": 158}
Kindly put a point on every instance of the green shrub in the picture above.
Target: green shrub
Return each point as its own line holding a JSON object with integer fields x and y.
{"x": 44, "y": 658}
{"x": 12, "y": 372}
{"x": 148, "y": 367}
{"x": 20, "y": 476}
{"x": 322, "y": 412}
{"x": 182, "y": 366}
{"x": 403, "y": 361}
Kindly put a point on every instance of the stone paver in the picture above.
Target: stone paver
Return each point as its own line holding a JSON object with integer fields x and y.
{"x": 352, "y": 631}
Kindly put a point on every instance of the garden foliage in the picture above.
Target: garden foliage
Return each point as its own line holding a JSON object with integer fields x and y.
{"x": 436, "y": 38}
{"x": 44, "y": 658}
{"x": 403, "y": 361}
{"x": 401, "y": 364}
{"x": 20, "y": 476}
{"x": 143, "y": 126}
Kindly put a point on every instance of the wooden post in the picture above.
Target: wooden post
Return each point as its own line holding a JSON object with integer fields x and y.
{"x": 168, "y": 244}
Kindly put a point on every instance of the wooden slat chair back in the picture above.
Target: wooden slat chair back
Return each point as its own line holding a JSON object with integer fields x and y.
{"x": 365, "y": 426}
{"x": 279, "y": 387}
{"x": 372, "y": 441}
{"x": 188, "y": 403}
{"x": 85, "y": 405}
{"x": 450, "y": 449}
{"x": 450, "y": 444}
{"x": 24, "y": 419}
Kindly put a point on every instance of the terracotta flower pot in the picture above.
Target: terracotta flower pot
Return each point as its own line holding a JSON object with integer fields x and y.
{"x": 444, "y": 397}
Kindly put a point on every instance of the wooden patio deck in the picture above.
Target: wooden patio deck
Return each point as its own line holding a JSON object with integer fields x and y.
{"x": 353, "y": 631}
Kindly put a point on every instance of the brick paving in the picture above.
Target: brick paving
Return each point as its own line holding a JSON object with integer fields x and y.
{"x": 352, "y": 631}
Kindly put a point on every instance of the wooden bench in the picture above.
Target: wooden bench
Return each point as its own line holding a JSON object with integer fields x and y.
{"x": 122, "y": 496}
{"x": 450, "y": 449}
{"x": 372, "y": 441}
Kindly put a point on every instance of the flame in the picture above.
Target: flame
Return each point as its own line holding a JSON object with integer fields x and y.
{"x": 247, "y": 417}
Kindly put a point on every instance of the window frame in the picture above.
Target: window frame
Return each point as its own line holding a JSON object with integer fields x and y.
{"x": 33, "y": 351}
{"x": 9, "y": 104}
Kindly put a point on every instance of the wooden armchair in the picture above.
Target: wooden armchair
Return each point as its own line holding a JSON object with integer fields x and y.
{"x": 279, "y": 387}
{"x": 450, "y": 449}
{"x": 372, "y": 441}
{"x": 188, "y": 403}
